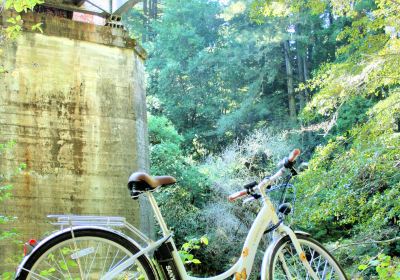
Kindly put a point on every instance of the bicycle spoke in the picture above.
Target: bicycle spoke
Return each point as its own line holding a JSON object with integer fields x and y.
{"x": 105, "y": 260}
{"x": 288, "y": 265}
{"x": 135, "y": 275}
{"x": 59, "y": 268}
{"x": 312, "y": 259}
{"x": 66, "y": 265}
{"x": 331, "y": 273}
{"x": 113, "y": 260}
{"x": 91, "y": 264}
{"x": 319, "y": 262}
{"x": 121, "y": 261}
{"x": 76, "y": 249}
{"x": 96, "y": 256}
{"x": 285, "y": 267}
{"x": 35, "y": 274}
{"x": 86, "y": 258}
{"x": 324, "y": 270}
{"x": 294, "y": 261}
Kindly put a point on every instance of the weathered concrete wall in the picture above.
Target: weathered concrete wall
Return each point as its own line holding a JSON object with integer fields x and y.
{"x": 73, "y": 98}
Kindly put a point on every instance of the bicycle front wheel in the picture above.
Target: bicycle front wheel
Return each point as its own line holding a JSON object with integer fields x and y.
{"x": 286, "y": 264}
{"x": 88, "y": 254}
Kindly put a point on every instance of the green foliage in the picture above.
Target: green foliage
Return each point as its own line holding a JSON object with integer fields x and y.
{"x": 5, "y": 192}
{"x": 197, "y": 203}
{"x": 226, "y": 223}
{"x": 219, "y": 74}
{"x": 185, "y": 35}
{"x": 386, "y": 267}
{"x": 180, "y": 203}
{"x": 192, "y": 245}
{"x": 280, "y": 8}
{"x": 353, "y": 182}
{"x": 366, "y": 64}
{"x": 134, "y": 21}
{"x": 13, "y": 31}
{"x": 22, "y": 5}
{"x": 351, "y": 113}
{"x": 167, "y": 158}
{"x": 357, "y": 170}
{"x": 7, "y": 275}
{"x": 38, "y": 27}
{"x": 161, "y": 130}
{"x": 5, "y": 187}
{"x": 8, "y": 235}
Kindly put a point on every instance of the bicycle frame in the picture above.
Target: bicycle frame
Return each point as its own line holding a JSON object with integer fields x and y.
{"x": 243, "y": 267}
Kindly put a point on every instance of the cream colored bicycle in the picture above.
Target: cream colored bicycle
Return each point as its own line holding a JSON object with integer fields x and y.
{"x": 89, "y": 247}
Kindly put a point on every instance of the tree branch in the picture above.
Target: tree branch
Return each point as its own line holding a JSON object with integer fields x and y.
{"x": 368, "y": 242}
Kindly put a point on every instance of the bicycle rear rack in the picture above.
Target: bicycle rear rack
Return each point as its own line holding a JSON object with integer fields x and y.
{"x": 109, "y": 222}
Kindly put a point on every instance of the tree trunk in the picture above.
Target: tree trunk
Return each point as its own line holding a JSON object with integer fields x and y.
{"x": 150, "y": 7}
{"x": 306, "y": 77}
{"x": 145, "y": 20}
{"x": 308, "y": 134}
{"x": 289, "y": 75}
{"x": 301, "y": 76}
{"x": 155, "y": 9}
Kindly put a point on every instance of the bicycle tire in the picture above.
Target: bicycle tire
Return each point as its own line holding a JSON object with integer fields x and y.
{"x": 64, "y": 257}
{"x": 322, "y": 262}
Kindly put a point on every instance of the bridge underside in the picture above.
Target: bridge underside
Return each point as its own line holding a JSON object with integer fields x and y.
{"x": 101, "y": 8}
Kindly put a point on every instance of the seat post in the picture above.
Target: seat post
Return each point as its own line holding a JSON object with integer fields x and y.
{"x": 158, "y": 214}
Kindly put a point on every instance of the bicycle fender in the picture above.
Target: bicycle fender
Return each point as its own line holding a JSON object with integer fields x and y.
{"x": 268, "y": 253}
{"x": 60, "y": 232}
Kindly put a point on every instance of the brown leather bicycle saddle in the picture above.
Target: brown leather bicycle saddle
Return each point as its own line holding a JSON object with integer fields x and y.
{"x": 142, "y": 181}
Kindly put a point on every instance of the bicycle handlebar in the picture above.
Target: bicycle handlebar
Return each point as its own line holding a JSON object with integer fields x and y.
{"x": 293, "y": 155}
{"x": 288, "y": 162}
{"x": 237, "y": 195}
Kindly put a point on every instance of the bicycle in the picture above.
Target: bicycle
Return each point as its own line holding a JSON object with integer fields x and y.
{"x": 89, "y": 249}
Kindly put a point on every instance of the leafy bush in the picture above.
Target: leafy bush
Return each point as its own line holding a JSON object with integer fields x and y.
{"x": 181, "y": 202}
{"x": 351, "y": 113}
{"x": 384, "y": 266}
{"x": 14, "y": 29}
{"x": 197, "y": 204}
{"x": 192, "y": 245}
{"x": 8, "y": 234}
{"x": 353, "y": 183}
{"x": 226, "y": 223}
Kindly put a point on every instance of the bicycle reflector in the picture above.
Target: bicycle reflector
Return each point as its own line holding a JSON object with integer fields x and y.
{"x": 28, "y": 246}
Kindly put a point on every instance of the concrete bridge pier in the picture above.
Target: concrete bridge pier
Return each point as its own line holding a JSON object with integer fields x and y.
{"x": 73, "y": 99}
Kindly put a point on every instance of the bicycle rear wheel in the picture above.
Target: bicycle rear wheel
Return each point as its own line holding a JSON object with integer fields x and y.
{"x": 286, "y": 264}
{"x": 90, "y": 254}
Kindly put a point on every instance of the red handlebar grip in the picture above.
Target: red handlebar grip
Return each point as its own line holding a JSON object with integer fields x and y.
{"x": 293, "y": 155}
{"x": 236, "y": 195}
